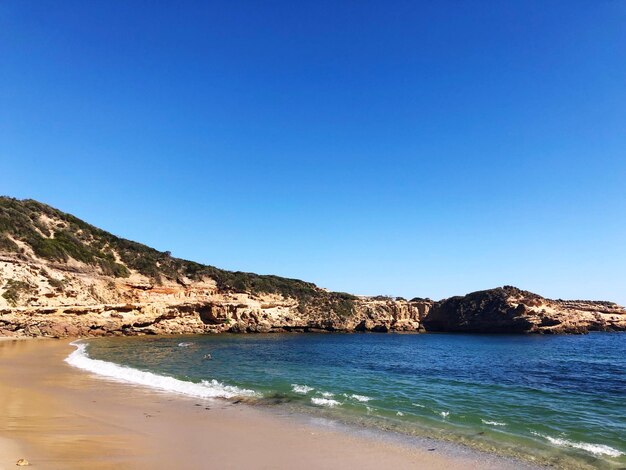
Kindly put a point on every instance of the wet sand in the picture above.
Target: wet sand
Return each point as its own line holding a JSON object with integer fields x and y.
{"x": 57, "y": 416}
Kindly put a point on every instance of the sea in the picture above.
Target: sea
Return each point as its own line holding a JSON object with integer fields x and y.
{"x": 557, "y": 401}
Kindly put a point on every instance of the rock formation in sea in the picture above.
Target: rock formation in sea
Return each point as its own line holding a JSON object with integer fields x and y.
{"x": 511, "y": 310}
{"x": 60, "y": 276}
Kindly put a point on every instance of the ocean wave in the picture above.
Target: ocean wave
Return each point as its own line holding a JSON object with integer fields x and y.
{"x": 184, "y": 345}
{"x": 204, "y": 389}
{"x": 361, "y": 398}
{"x": 301, "y": 389}
{"x": 327, "y": 394}
{"x": 324, "y": 402}
{"x": 492, "y": 423}
{"x": 418, "y": 405}
{"x": 596, "y": 449}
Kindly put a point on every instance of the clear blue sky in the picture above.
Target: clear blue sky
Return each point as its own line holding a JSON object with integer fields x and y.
{"x": 396, "y": 147}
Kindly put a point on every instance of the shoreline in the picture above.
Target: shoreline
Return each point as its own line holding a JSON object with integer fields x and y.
{"x": 53, "y": 414}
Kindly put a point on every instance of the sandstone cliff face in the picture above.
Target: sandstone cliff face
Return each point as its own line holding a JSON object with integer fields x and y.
{"x": 74, "y": 299}
{"x": 216, "y": 316}
{"x": 511, "y": 310}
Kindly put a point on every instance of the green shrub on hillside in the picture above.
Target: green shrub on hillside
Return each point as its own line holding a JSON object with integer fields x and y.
{"x": 14, "y": 290}
{"x": 56, "y": 283}
{"x": 6, "y": 244}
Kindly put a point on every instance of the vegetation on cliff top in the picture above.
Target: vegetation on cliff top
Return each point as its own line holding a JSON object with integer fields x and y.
{"x": 57, "y": 236}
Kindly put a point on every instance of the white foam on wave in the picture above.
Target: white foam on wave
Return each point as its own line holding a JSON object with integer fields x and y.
{"x": 301, "y": 389}
{"x": 596, "y": 449}
{"x": 444, "y": 414}
{"x": 184, "y": 345}
{"x": 492, "y": 423}
{"x": 204, "y": 389}
{"x": 327, "y": 394}
{"x": 418, "y": 405}
{"x": 361, "y": 398}
{"x": 324, "y": 402}
{"x": 400, "y": 413}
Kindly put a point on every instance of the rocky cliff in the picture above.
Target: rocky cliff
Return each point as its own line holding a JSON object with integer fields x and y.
{"x": 60, "y": 276}
{"x": 511, "y": 310}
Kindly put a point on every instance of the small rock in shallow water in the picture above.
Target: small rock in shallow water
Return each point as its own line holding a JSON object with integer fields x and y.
{"x": 22, "y": 463}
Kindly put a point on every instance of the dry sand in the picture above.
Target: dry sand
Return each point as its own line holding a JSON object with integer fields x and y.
{"x": 59, "y": 417}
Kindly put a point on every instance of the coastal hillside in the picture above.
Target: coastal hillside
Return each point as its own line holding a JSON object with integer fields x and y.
{"x": 60, "y": 276}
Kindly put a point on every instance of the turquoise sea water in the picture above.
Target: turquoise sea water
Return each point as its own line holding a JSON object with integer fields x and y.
{"x": 556, "y": 400}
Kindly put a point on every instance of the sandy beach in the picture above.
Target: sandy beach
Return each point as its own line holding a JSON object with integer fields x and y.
{"x": 56, "y": 416}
